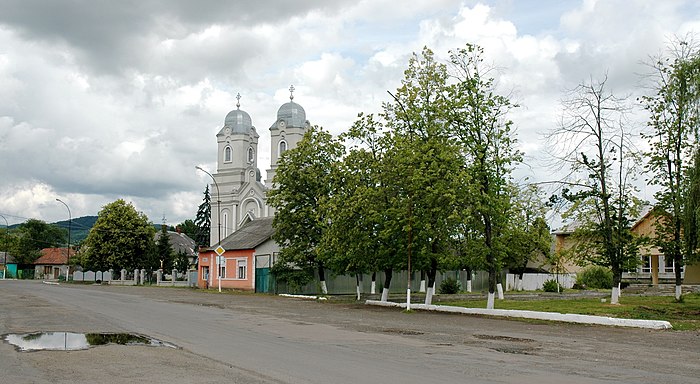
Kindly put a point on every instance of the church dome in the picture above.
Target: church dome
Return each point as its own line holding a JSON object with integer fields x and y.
{"x": 238, "y": 121}
{"x": 293, "y": 114}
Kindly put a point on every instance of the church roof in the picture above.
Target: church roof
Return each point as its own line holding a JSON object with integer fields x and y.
{"x": 249, "y": 235}
{"x": 179, "y": 242}
{"x": 239, "y": 121}
{"x": 293, "y": 114}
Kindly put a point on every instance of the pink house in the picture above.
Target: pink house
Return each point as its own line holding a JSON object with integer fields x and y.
{"x": 238, "y": 269}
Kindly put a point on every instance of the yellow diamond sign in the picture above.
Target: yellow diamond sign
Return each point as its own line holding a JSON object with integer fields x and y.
{"x": 219, "y": 250}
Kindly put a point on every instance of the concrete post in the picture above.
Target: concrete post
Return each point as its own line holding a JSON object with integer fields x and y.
{"x": 136, "y": 277}
{"x": 173, "y": 277}
{"x": 123, "y": 275}
{"x": 159, "y": 276}
{"x": 143, "y": 276}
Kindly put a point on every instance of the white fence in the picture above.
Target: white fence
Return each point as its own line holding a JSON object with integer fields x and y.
{"x": 535, "y": 281}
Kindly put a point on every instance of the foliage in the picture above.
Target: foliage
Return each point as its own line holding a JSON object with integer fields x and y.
{"x": 528, "y": 236}
{"x": 203, "y": 221}
{"x": 481, "y": 129}
{"x": 691, "y": 217}
{"x": 595, "y": 277}
{"x": 189, "y": 228}
{"x": 551, "y": 286}
{"x": 181, "y": 262}
{"x": 32, "y": 236}
{"x": 295, "y": 278}
{"x": 121, "y": 238}
{"x": 304, "y": 182}
{"x": 449, "y": 286}
{"x": 674, "y": 112}
{"x": 164, "y": 250}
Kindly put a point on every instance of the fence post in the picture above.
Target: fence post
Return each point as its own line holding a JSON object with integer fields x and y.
{"x": 136, "y": 276}
{"x": 159, "y": 276}
{"x": 174, "y": 277}
{"x": 123, "y": 275}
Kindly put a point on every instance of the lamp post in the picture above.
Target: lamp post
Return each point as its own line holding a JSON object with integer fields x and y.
{"x": 7, "y": 233}
{"x": 70, "y": 219}
{"x": 218, "y": 215}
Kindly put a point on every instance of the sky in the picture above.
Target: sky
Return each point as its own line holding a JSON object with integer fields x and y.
{"x": 101, "y": 100}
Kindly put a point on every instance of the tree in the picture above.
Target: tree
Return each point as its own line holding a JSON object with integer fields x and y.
{"x": 203, "y": 221}
{"x": 422, "y": 162}
{"x": 121, "y": 238}
{"x": 164, "y": 250}
{"x": 303, "y": 181}
{"x": 479, "y": 125}
{"x": 527, "y": 235}
{"x": 674, "y": 112}
{"x": 189, "y": 228}
{"x": 593, "y": 141}
{"x": 181, "y": 261}
{"x": 691, "y": 220}
{"x": 33, "y": 236}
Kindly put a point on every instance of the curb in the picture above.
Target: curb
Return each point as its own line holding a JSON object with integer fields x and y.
{"x": 551, "y": 316}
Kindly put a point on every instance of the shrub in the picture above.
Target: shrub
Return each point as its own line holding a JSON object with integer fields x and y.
{"x": 595, "y": 277}
{"x": 551, "y": 286}
{"x": 449, "y": 286}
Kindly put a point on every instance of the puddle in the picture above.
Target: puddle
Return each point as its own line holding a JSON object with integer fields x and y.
{"x": 68, "y": 341}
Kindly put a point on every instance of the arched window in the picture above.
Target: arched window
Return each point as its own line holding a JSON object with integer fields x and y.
{"x": 227, "y": 154}
{"x": 251, "y": 155}
{"x": 224, "y": 226}
{"x": 282, "y": 147}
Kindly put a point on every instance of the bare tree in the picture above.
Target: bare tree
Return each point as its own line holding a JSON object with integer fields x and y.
{"x": 593, "y": 142}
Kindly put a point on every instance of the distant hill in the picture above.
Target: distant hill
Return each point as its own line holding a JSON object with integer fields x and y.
{"x": 80, "y": 226}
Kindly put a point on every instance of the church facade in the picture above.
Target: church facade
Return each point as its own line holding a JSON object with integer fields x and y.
{"x": 241, "y": 219}
{"x": 239, "y": 194}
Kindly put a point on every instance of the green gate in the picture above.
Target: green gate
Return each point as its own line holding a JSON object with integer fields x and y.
{"x": 264, "y": 283}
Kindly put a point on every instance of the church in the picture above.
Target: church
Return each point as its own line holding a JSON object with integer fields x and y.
{"x": 241, "y": 220}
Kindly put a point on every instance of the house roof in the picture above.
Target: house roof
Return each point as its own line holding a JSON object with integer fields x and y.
{"x": 180, "y": 242}
{"x": 249, "y": 235}
{"x": 56, "y": 256}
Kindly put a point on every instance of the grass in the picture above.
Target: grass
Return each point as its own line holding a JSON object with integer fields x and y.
{"x": 683, "y": 316}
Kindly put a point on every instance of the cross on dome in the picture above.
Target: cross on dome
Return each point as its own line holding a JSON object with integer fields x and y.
{"x": 238, "y": 102}
{"x": 291, "y": 92}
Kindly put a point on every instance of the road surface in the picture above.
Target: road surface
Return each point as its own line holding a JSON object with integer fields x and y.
{"x": 245, "y": 338}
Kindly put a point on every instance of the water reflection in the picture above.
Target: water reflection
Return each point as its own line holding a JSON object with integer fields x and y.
{"x": 68, "y": 341}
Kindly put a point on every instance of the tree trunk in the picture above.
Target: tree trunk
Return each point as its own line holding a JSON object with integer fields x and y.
{"x": 431, "y": 281}
{"x": 357, "y": 286}
{"x": 373, "y": 286}
{"x": 469, "y": 279}
{"x": 387, "y": 284}
{"x": 615, "y": 297}
{"x": 322, "y": 278}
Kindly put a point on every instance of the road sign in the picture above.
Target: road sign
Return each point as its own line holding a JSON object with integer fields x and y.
{"x": 219, "y": 250}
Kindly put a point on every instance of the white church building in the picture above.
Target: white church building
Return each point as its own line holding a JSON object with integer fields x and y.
{"x": 239, "y": 194}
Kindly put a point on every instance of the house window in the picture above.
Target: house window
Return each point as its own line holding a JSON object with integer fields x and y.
{"x": 646, "y": 264}
{"x": 227, "y": 154}
{"x": 669, "y": 265}
{"x": 205, "y": 273}
{"x": 283, "y": 147}
{"x": 242, "y": 269}
{"x": 47, "y": 270}
{"x": 222, "y": 271}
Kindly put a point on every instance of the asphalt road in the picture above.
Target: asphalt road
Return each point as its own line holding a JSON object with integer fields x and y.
{"x": 243, "y": 338}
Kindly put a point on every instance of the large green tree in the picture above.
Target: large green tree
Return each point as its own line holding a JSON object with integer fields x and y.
{"x": 479, "y": 124}
{"x": 674, "y": 112}
{"x": 121, "y": 238}
{"x": 164, "y": 250}
{"x": 33, "y": 236}
{"x": 203, "y": 221}
{"x": 303, "y": 182}
{"x": 422, "y": 163}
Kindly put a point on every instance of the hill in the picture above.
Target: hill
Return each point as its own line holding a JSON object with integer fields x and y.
{"x": 80, "y": 226}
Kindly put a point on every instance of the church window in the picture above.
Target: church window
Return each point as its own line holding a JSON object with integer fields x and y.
{"x": 282, "y": 147}
{"x": 251, "y": 155}
{"x": 225, "y": 225}
{"x": 227, "y": 154}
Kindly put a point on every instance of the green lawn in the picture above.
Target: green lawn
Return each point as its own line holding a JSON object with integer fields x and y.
{"x": 683, "y": 316}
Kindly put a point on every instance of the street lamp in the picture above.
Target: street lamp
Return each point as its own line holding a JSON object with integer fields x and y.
{"x": 218, "y": 214}
{"x": 7, "y": 233}
{"x": 70, "y": 219}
